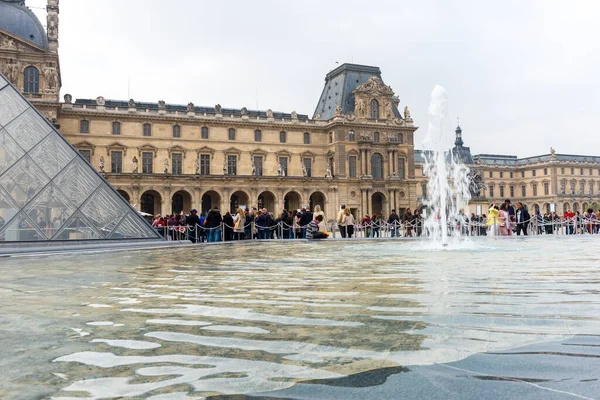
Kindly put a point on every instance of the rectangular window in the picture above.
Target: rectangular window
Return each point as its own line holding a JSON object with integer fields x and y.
{"x": 523, "y": 191}
{"x": 284, "y": 165}
{"x": 491, "y": 174}
{"x": 352, "y": 166}
{"x": 116, "y": 128}
{"x": 522, "y": 174}
{"x": 257, "y": 135}
{"x": 306, "y": 138}
{"x": 562, "y": 170}
{"x": 176, "y": 163}
{"x": 580, "y": 171}
{"x": 491, "y": 191}
{"x": 534, "y": 190}
{"x": 401, "y": 170}
{"x": 147, "y": 159}
{"x": 582, "y": 188}
{"x": 84, "y": 126}
{"x": 572, "y": 171}
{"x": 546, "y": 188}
{"x": 591, "y": 173}
{"x": 512, "y": 191}
{"x": 147, "y": 130}
{"x": 258, "y": 165}
{"x": 511, "y": 174}
{"x": 231, "y": 133}
{"x": 176, "y": 131}
{"x": 87, "y": 154}
{"x": 116, "y": 162}
{"x": 563, "y": 187}
{"x": 204, "y": 132}
{"x": 282, "y": 137}
{"x": 232, "y": 165}
{"x": 533, "y": 173}
{"x": 204, "y": 164}
{"x": 502, "y": 191}
{"x": 308, "y": 166}
{"x": 501, "y": 174}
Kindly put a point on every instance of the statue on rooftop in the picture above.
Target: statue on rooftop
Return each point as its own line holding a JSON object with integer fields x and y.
{"x": 218, "y": 109}
{"x": 269, "y": 113}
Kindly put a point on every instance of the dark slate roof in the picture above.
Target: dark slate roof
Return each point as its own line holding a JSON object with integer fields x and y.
{"x": 142, "y": 106}
{"x": 22, "y": 22}
{"x": 497, "y": 159}
{"x": 339, "y": 85}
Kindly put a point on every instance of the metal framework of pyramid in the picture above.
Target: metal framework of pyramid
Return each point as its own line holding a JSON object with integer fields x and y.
{"x": 48, "y": 191}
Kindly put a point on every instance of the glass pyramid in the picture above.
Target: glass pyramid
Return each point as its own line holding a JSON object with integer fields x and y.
{"x": 47, "y": 190}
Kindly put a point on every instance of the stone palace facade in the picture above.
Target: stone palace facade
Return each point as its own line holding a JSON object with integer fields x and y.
{"x": 356, "y": 149}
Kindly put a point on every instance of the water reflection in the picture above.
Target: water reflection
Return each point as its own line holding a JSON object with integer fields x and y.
{"x": 255, "y": 318}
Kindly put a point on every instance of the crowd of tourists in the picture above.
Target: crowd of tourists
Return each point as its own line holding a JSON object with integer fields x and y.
{"x": 260, "y": 224}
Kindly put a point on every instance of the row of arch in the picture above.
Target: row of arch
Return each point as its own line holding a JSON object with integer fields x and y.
{"x": 181, "y": 201}
{"x": 575, "y": 207}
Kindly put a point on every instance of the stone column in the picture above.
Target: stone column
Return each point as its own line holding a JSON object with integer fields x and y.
{"x": 368, "y": 161}
{"x": 393, "y": 162}
{"x": 386, "y": 166}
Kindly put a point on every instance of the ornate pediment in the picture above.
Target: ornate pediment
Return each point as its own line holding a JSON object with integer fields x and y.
{"x": 85, "y": 145}
{"x": 232, "y": 150}
{"x": 10, "y": 42}
{"x": 177, "y": 149}
{"x": 308, "y": 154}
{"x": 205, "y": 150}
{"x": 147, "y": 148}
{"x": 374, "y": 88}
{"x": 116, "y": 146}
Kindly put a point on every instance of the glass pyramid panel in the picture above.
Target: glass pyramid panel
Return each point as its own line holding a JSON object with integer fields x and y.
{"x": 28, "y": 128}
{"x": 47, "y": 190}
{"x": 129, "y": 227}
{"x": 8, "y": 208}
{"x": 23, "y": 180}
{"x": 11, "y": 105}
{"x": 50, "y": 210}
{"x": 10, "y": 151}
{"x": 21, "y": 229}
{"x": 52, "y": 154}
{"x": 104, "y": 209}
{"x": 77, "y": 227}
{"x": 77, "y": 181}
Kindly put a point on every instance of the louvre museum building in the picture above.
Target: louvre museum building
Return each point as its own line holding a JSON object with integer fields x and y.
{"x": 356, "y": 148}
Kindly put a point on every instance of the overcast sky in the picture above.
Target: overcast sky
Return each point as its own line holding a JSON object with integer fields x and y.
{"x": 521, "y": 75}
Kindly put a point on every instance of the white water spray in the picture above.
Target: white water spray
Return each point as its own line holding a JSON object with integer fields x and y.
{"x": 448, "y": 186}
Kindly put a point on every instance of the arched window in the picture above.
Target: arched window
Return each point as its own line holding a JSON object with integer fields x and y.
{"x": 116, "y": 128}
{"x": 377, "y": 166}
{"x": 351, "y": 136}
{"x": 84, "y": 126}
{"x": 282, "y": 137}
{"x": 147, "y": 130}
{"x": 231, "y": 133}
{"x": 376, "y": 137}
{"x": 176, "y": 131}
{"x": 374, "y": 109}
{"x": 32, "y": 80}
{"x": 306, "y": 138}
{"x": 257, "y": 135}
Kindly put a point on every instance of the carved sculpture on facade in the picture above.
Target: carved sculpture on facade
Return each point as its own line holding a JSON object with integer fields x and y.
{"x": 131, "y": 103}
{"x": 244, "y": 111}
{"x": 407, "y": 116}
{"x": 338, "y": 110}
{"x": 8, "y": 43}
{"x": 162, "y": 105}
{"x": 317, "y": 116}
{"x": 68, "y": 98}
{"x": 51, "y": 76}
{"x": 225, "y": 166}
{"x": 196, "y": 166}
{"x": 360, "y": 108}
{"x": 101, "y": 163}
{"x": 11, "y": 70}
{"x": 135, "y": 165}
{"x": 166, "y": 166}
{"x": 218, "y": 109}
{"x": 280, "y": 171}
{"x": 304, "y": 170}
{"x": 269, "y": 113}
{"x": 100, "y": 101}
{"x": 190, "y": 107}
{"x": 328, "y": 173}
{"x": 294, "y": 115}
{"x": 52, "y": 23}
{"x": 253, "y": 169}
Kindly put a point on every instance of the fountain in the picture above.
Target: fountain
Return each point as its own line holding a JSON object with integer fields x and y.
{"x": 448, "y": 186}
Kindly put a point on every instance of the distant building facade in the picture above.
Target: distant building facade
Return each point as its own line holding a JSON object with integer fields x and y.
{"x": 356, "y": 149}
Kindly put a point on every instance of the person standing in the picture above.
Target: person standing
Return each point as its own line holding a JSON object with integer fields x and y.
{"x": 213, "y": 224}
{"x": 286, "y": 225}
{"x": 228, "y": 226}
{"x": 522, "y": 219}
{"x": 375, "y": 225}
{"x": 340, "y": 218}
{"x": 348, "y": 222}
{"x": 193, "y": 223}
{"x": 394, "y": 222}
{"x": 239, "y": 224}
{"x": 407, "y": 221}
{"x": 305, "y": 218}
{"x": 318, "y": 212}
{"x": 365, "y": 224}
{"x": 492, "y": 220}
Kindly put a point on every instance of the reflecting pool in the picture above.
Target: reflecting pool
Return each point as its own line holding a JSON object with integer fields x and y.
{"x": 333, "y": 319}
